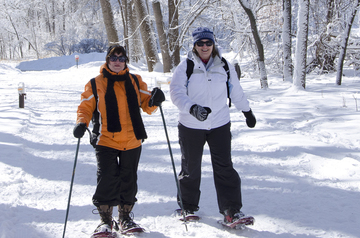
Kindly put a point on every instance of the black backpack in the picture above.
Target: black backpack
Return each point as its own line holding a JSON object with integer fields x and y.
{"x": 95, "y": 117}
{"x": 190, "y": 69}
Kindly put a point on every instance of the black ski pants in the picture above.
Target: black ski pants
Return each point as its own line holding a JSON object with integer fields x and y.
{"x": 116, "y": 176}
{"x": 226, "y": 179}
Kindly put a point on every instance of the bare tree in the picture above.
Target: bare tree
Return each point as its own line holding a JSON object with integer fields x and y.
{"x": 147, "y": 35}
{"x": 301, "y": 44}
{"x": 17, "y": 35}
{"x": 13, "y": 30}
{"x": 109, "y": 22}
{"x": 260, "y": 48}
{"x": 325, "y": 50}
{"x": 134, "y": 51}
{"x": 286, "y": 40}
{"x": 173, "y": 34}
{"x": 124, "y": 13}
{"x": 345, "y": 43}
{"x": 167, "y": 65}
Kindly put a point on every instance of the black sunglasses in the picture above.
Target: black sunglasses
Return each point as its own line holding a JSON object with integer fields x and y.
{"x": 121, "y": 58}
{"x": 202, "y": 43}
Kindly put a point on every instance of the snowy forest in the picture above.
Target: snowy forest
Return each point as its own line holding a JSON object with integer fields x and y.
{"x": 289, "y": 37}
{"x": 299, "y": 167}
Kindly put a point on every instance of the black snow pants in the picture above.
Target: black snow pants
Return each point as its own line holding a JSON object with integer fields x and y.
{"x": 226, "y": 179}
{"x": 116, "y": 176}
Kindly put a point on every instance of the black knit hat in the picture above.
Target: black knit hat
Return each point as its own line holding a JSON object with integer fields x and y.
{"x": 115, "y": 48}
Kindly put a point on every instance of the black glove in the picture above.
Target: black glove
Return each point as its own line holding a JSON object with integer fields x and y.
{"x": 79, "y": 130}
{"x": 199, "y": 112}
{"x": 157, "y": 97}
{"x": 250, "y": 119}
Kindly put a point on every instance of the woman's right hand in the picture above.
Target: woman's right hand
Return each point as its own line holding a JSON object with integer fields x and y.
{"x": 199, "y": 112}
{"x": 79, "y": 130}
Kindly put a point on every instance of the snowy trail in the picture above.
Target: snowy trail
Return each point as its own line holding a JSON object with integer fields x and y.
{"x": 300, "y": 166}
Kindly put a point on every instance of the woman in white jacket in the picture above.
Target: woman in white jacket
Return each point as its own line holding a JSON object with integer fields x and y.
{"x": 204, "y": 116}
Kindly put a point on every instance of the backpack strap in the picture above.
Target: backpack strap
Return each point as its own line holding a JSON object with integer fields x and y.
{"x": 226, "y": 67}
{"x": 136, "y": 81}
{"x": 189, "y": 68}
{"x": 95, "y": 117}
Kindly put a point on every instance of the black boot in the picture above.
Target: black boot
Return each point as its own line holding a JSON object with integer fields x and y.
{"x": 125, "y": 220}
{"x": 105, "y": 212}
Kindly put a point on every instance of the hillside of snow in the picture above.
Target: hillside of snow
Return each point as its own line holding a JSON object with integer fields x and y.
{"x": 300, "y": 165}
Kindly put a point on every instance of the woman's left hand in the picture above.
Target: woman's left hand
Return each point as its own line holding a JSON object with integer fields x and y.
{"x": 157, "y": 97}
{"x": 250, "y": 119}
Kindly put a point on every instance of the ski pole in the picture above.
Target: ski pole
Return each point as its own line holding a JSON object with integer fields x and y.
{"x": 173, "y": 165}
{"x": 71, "y": 185}
{"x": 72, "y": 182}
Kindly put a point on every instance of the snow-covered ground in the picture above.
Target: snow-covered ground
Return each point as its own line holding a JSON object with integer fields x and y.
{"x": 300, "y": 165}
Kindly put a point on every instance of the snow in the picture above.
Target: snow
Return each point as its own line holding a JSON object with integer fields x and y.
{"x": 300, "y": 165}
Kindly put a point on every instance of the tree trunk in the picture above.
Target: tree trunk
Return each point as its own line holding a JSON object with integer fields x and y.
{"x": 53, "y": 17}
{"x": 255, "y": 32}
{"x": 330, "y": 12}
{"x": 134, "y": 51}
{"x": 162, "y": 37}
{"x": 147, "y": 35}
{"x": 173, "y": 31}
{"x": 344, "y": 44}
{"x": 124, "y": 13}
{"x": 286, "y": 39}
{"x": 325, "y": 52}
{"x": 301, "y": 44}
{"x": 109, "y": 22}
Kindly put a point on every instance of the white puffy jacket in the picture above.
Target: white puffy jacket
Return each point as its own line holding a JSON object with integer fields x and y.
{"x": 207, "y": 88}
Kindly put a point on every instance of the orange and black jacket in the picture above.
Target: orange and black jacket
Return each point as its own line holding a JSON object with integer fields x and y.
{"x": 125, "y": 139}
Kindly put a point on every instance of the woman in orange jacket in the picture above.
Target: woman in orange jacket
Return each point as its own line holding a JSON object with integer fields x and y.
{"x": 121, "y": 132}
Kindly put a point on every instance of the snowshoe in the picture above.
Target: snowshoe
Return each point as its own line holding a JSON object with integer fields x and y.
{"x": 237, "y": 221}
{"x": 104, "y": 235}
{"x": 189, "y": 215}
